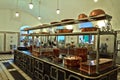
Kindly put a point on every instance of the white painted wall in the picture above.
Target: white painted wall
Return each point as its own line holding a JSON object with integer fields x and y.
{"x": 11, "y": 39}
{"x": 1, "y": 42}
{"x": 8, "y": 21}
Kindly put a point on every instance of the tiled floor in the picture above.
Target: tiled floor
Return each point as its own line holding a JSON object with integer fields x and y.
{"x": 119, "y": 76}
{"x": 5, "y": 74}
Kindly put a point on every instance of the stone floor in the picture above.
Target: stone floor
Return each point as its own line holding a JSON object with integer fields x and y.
{"x": 6, "y": 72}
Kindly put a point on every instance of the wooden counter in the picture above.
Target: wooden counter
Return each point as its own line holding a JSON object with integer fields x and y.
{"x": 41, "y": 68}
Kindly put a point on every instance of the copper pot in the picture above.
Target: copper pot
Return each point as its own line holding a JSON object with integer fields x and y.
{"x": 82, "y": 16}
{"x": 81, "y": 52}
{"x": 56, "y": 52}
{"x": 97, "y": 12}
{"x": 89, "y": 29}
{"x": 72, "y": 61}
{"x": 65, "y": 30}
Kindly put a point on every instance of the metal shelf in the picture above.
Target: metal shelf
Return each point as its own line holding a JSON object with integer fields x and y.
{"x": 99, "y": 17}
{"x": 38, "y": 34}
{"x": 61, "y": 34}
{"x": 108, "y": 32}
{"x": 118, "y": 49}
{"x": 76, "y": 33}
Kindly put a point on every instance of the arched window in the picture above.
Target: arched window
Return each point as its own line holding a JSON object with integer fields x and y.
{"x": 61, "y": 39}
{"x": 86, "y": 38}
{"x": 25, "y": 32}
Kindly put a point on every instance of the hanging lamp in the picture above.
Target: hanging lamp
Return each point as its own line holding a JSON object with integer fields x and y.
{"x": 95, "y": 0}
{"x": 39, "y": 18}
{"x": 31, "y": 5}
{"x": 58, "y": 10}
{"x": 17, "y": 13}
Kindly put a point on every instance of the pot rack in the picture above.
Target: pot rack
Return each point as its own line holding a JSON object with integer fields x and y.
{"x": 88, "y": 19}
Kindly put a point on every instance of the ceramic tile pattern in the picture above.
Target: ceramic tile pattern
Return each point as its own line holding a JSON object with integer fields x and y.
{"x": 5, "y": 73}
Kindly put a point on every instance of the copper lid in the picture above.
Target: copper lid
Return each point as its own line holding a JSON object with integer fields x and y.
{"x": 45, "y": 24}
{"x": 66, "y": 20}
{"x": 54, "y": 22}
{"x": 97, "y": 12}
{"x": 82, "y": 16}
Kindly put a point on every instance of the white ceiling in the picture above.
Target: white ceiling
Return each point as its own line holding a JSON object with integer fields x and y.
{"x": 69, "y": 8}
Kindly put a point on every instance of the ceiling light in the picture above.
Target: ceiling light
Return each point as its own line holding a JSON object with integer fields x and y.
{"x": 39, "y": 18}
{"x": 95, "y": 0}
{"x": 58, "y": 11}
{"x": 17, "y": 14}
{"x": 31, "y": 5}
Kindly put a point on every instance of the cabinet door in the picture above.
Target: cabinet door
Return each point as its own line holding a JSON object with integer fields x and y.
{"x": 11, "y": 39}
{"x": 2, "y": 42}
{"x": 73, "y": 77}
{"x": 61, "y": 74}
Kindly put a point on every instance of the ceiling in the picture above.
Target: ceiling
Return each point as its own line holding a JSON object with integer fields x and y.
{"x": 69, "y": 8}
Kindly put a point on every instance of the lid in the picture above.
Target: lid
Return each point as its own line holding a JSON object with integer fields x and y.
{"x": 80, "y": 16}
{"x": 97, "y": 12}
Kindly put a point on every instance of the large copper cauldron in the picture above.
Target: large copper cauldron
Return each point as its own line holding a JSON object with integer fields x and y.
{"x": 96, "y": 12}
{"x": 72, "y": 61}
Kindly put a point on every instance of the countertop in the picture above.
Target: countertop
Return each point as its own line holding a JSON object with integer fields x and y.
{"x": 75, "y": 70}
